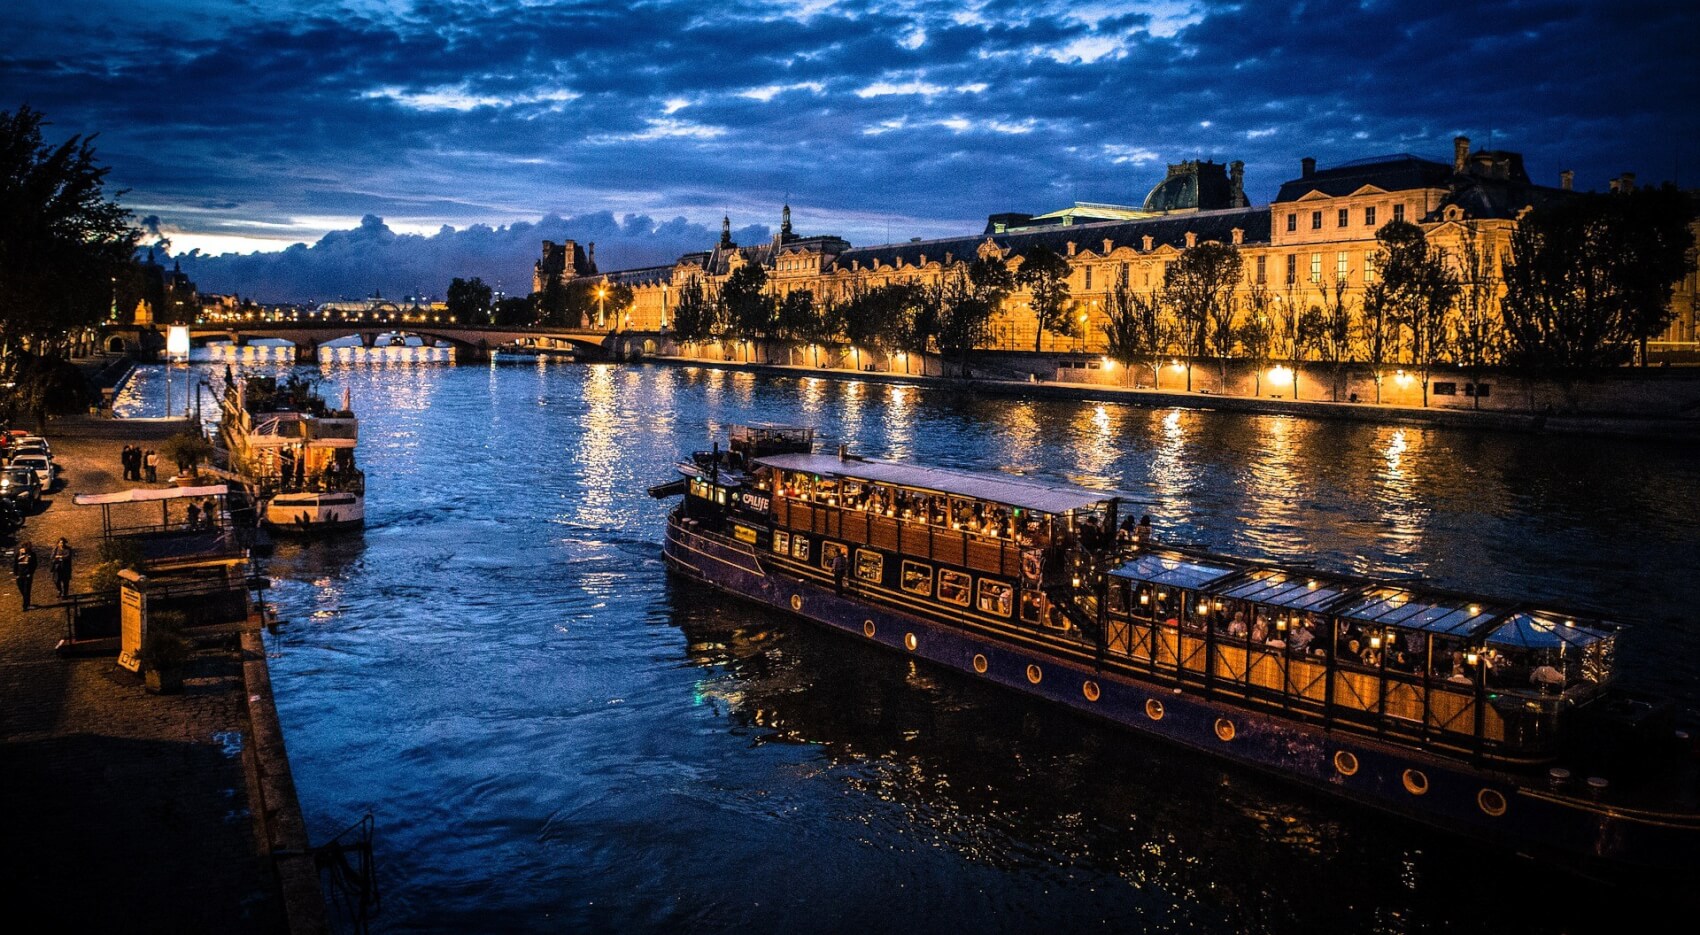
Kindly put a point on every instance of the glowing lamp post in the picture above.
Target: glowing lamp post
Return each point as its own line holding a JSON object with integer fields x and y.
{"x": 601, "y": 303}
{"x": 177, "y": 342}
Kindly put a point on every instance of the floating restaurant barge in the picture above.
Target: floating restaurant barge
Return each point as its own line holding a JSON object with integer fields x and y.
{"x": 1492, "y": 718}
{"x": 293, "y": 453}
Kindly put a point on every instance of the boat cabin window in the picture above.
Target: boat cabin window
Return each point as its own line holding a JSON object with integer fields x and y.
{"x": 870, "y": 566}
{"x": 1118, "y": 597}
{"x": 1144, "y": 600}
{"x": 782, "y": 542}
{"x": 800, "y": 548}
{"x": 996, "y": 597}
{"x": 830, "y": 551}
{"x": 1166, "y": 606}
{"x": 1032, "y": 607}
{"x": 953, "y": 587}
{"x": 918, "y": 578}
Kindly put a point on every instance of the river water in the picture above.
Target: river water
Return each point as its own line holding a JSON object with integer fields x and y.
{"x": 555, "y": 734}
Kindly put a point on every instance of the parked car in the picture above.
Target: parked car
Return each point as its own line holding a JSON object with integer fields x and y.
{"x": 25, "y": 441}
{"x": 19, "y": 450}
{"x": 11, "y": 515}
{"x": 43, "y": 467}
{"x": 19, "y": 485}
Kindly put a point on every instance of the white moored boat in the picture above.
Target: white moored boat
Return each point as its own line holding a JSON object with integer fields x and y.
{"x": 294, "y": 453}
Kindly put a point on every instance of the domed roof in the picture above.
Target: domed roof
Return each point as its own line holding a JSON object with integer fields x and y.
{"x": 1192, "y": 185}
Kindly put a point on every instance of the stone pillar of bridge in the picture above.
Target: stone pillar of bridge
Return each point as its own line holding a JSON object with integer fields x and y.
{"x": 306, "y": 351}
{"x": 236, "y": 339}
{"x": 368, "y": 339}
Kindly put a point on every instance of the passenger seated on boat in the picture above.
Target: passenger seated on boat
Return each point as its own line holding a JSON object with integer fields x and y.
{"x": 1301, "y": 638}
{"x": 1546, "y": 678}
{"x": 1236, "y": 626}
{"x": 1260, "y": 630}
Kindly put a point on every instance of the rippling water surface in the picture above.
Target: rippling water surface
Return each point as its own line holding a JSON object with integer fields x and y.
{"x": 554, "y": 734}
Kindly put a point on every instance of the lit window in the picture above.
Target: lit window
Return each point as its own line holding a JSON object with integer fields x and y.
{"x": 800, "y": 548}
{"x": 1316, "y": 267}
{"x": 1261, "y": 273}
{"x": 917, "y": 578}
{"x": 1088, "y": 279}
{"x": 1369, "y": 267}
{"x": 953, "y": 587}
{"x": 870, "y": 566}
{"x": 1340, "y": 265}
{"x": 995, "y": 598}
{"x": 830, "y": 551}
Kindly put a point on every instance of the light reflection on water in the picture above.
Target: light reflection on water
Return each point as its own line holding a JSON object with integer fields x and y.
{"x": 554, "y": 733}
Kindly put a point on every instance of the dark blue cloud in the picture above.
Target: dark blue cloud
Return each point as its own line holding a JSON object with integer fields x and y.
{"x": 284, "y": 121}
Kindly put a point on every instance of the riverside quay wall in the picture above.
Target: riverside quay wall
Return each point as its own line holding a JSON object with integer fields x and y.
{"x": 1662, "y": 394}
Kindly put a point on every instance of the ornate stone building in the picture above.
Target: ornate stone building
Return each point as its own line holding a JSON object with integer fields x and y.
{"x": 1318, "y": 231}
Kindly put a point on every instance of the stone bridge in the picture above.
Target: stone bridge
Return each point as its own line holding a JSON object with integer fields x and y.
{"x": 469, "y": 342}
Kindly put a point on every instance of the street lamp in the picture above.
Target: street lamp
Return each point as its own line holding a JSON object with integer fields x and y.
{"x": 601, "y": 297}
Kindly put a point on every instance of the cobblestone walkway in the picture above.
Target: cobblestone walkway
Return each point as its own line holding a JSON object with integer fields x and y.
{"x": 124, "y": 811}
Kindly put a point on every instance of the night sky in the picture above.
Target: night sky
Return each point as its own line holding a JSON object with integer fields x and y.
{"x": 405, "y": 143}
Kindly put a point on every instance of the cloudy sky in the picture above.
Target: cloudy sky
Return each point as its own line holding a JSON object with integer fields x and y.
{"x": 397, "y": 144}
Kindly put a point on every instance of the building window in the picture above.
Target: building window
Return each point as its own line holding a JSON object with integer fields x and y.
{"x": 1292, "y": 268}
{"x": 1478, "y": 390}
{"x": 1344, "y": 218}
{"x": 1292, "y": 222}
{"x": 1261, "y": 273}
{"x": 1340, "y": 265}
{"x": 1398, "y": 212}
{"x": 800, "y": 548}
{"x": 1369, "y": 216}
{"x": 830, "y": 551}
{"x": 782, "y": 543}
{"x": 1316, "y": 267}
{"x": 1088, "y": 279}
{"x": 1369, "y": 267}
{"x": 1444, "y": 388}
{"x": 1316, "y": 220}
{"x": 1124, "y": 274}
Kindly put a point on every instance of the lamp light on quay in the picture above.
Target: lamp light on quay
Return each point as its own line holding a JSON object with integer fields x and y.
{"x": 177, "y": 342}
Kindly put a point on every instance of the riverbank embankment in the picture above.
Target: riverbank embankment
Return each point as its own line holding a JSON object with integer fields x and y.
{"x": 131, "y": 810}
{"x": 1685, "y": 431}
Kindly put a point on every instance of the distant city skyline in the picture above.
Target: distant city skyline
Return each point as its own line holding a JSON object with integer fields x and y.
{"x": 366, "y": 128}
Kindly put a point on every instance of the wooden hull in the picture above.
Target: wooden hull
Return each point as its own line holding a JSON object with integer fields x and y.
{"x": 1501, "y": 808}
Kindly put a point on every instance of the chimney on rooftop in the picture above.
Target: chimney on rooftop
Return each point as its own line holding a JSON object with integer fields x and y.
{"x": 1307, "y": 167}
{"x": 1460, "y": 152}
{"x": 1236, "y": 177}
{"x": 1567, "y": 180}
{"x": 1628, "y": 182}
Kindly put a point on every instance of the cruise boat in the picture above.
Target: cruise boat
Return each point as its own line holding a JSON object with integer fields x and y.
{"x": 1495, "y": 718}
{"x": 293, "y": 453}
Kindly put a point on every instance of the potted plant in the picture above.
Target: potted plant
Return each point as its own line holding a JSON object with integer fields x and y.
{"x": 165, "y": 653}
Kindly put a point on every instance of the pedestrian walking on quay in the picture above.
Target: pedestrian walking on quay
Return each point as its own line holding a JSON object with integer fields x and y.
{"x": 194, "y": 516}
{"x": 152, "y": 461}
{"x": 124, "y": 461}
{"x": 61, "y": 566}
{"x": 23, "y": 568}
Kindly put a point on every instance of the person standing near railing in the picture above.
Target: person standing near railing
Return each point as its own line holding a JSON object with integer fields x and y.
{"x": 61, "y": 566}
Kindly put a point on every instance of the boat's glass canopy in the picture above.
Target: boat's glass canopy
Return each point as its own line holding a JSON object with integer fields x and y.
{"x": 991, "y": 488}
{"x": 1410, "y": 610}
{"x": 1174, "y": 572}
{"x": 1284, "y": 589}
{"x": 1541, "y": 630}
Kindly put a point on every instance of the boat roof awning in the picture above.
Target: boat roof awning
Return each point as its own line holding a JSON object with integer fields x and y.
{"x": 1285, "y": 589}
{"x": 331, "y": 443}
{"x": 1175, "y": 572}
{"x": 993, "y": 488}
{"x": 149, "y": 494}
{"x": 1413, "y": 610}
{"x": 1542, "y": 630}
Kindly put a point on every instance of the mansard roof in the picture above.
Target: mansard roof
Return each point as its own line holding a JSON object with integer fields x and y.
{"x": 1170, "y": 230}
{"x": 641, "y": 275}
{"x": 1399, "y": 172}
